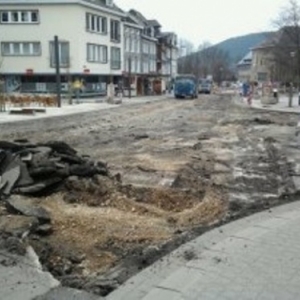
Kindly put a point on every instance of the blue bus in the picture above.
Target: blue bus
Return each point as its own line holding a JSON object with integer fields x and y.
{"x": 185, "y": 86}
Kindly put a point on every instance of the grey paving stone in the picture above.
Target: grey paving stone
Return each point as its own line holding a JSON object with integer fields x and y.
{"x": 181, "y": 278}
{"x": 254, "y": 258}
{"x": 62, "y": 293}
{"x": 163, "y": 294}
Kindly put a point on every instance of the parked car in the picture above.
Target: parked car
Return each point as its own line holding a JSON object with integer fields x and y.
{"x": 185, "y": 86}
{"x": 205, "y": 86}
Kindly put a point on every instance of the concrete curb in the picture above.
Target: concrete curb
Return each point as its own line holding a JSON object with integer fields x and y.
{"x": 101, "y": 106}
{"x": 270, "y": 109}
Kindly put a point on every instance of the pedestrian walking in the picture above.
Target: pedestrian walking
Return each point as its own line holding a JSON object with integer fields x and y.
{"x": 77, "y": 86}
{"x": 250, "y": 94}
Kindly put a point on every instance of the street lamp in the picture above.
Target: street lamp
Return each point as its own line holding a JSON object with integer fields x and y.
{"x": 292, "y": 54}
{"x": 221, "y": 70}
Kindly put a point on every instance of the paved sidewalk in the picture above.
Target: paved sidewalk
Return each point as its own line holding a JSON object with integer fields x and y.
{"x": 281, "y": 106}
{"x": 87, "y": 105}
{"x": 257, "y": 257}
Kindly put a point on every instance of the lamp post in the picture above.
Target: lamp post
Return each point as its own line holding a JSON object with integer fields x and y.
{"x": 129, "y": 76}
{"x": 292, "y": 54}
{"x": 57, "y": 70}
{"x": 221, "y": 70}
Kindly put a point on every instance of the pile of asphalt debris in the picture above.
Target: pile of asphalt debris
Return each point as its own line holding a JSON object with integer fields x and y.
{"x": 29, "y": 171}
{"x": 40, "y": 169}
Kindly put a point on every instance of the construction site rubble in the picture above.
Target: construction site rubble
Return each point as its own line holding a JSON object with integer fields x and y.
{"x": 30, "y": 171}
{"x": 41, "y": 169}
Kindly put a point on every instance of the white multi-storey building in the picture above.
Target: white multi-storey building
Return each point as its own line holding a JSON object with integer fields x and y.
{"x": 132, "y": 56}
{"x": 144, "y": 75}
{"x": 167, "y": 58}
{"x": 90, "y": 36}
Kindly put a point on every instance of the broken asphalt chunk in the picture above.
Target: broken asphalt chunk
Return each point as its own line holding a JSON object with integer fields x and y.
{"x": 71, "y": 159}
{"x": 9, "y": 146}
{"x": 61, "y": 147}
{"x": 43, "y": 187}
{"x": 17, "y": 225}
{"x": 25, "y": 178}
{"x": 39, "y": 170}
{"x": 10, "y": 177}
{"x": 85, "y": 170}
{"x": 27, "y": 207}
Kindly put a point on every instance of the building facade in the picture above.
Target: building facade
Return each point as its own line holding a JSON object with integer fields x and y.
{"x": 143, "y": 76}
{"x": 90, "y": 37}
{"x": 98, "y": 43}
{"x": 167, "y": 56}
{"x": 244, "y": 68}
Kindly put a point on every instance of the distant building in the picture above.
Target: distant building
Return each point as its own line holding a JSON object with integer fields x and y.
{"x": 144, "y": 80}
{"x": 167, "y": 57}
{"x": 244, "y": 68}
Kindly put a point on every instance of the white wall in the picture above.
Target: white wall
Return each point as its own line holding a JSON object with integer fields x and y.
{"x": 66, "y": 21}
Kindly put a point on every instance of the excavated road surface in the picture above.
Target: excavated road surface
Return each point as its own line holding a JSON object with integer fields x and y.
{"x": 181, "y": 168}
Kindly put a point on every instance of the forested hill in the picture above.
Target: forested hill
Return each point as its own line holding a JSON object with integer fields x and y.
{"x": 238, "y": 47}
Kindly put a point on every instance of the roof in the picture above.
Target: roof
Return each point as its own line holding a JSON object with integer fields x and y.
{"x": 103, "y": 4}
{"x": 100, "y": 4}
{"x": 138, "y": 15}
{"x": 153, "y": 23}
{"x": 286, "y": 36}
{"x": 268, "y": 42}
{"x": 130, "y": 21}
{"x": 165, "y": 34}
{"x": 246, "y": 60}
{"x": 143, "y": 20}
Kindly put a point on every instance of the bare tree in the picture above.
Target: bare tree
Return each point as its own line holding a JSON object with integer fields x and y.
{"x": 206, "y": 60}
{"x": 185, "y": 62}
{"x": 285, "y": 62}
{"x": 185, "y": 47}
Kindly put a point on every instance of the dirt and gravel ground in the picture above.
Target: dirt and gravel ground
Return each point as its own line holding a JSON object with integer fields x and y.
{"x": 180, "y": 168}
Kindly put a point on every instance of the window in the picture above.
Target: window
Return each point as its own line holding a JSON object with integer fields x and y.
{"x": 4, "y": 17}
{"x": 262, "y": 76}
{"x": 127, "y": 43}
{"x": 96, "y": 23}
{"x": 115, "y": 32}
{"x": 26, "y": 48}
{"x": 64, "y": 54}
{"x": 22, "y": 17}
{"x": 132, "y": 45}
{"x": 15, "y": 16}
{"x": 16, "y": 48}
{"x": 96, "y": 53}
{"x": 115, "y": 57}
{"x": 34, "y": 16}
{"x": 145, "y": 48}
{"x": 21, "y": 48}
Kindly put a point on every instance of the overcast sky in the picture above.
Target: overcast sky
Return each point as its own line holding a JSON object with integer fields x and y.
{"x": 209, "y": 20}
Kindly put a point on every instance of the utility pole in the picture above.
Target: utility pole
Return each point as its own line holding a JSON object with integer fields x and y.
{"x": 129, "y": 77}
{"x": 298, "y": 74}
{"x": 57, "y": 64}
{"x": 171, "y": 66}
